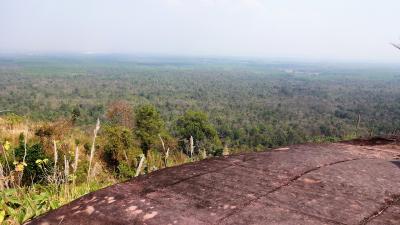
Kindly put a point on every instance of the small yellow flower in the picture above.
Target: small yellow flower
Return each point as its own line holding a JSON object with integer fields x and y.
{"x": 19, "y": 166}
{"x": 7, "y": 145}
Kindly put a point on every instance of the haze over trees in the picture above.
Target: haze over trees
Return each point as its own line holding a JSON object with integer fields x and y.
{"x": 249, "y": 103}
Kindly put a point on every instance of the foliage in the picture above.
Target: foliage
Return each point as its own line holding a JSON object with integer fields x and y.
{"x": 32, "y": 172}
{"x": 13, "y": 119}
{"x": 120, "y": 149}
{"x": 196, "y": 124}
{"x": 20, "y": 204}
{"x": 120, "y": 113}
{"x": 76, "y": 113}
{"x": 125, "y": 171}
{"x": 53, "y": 131}
{"x": 149, "y": 125}
{"x": 241, "y": 99}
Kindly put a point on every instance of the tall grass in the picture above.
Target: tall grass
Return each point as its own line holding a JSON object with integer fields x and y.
{"x": 19, "y": 203}
{"x": 61, "y": 184}
{"x": 95, "y": 131}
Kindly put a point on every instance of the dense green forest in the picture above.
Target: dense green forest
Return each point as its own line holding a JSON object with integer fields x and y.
{"x": 251, "y": 103}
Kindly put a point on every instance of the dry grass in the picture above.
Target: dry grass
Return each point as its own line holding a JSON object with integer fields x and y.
{"x": 64, "y": 180}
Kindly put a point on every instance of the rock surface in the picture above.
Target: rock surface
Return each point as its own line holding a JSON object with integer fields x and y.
{"x": 342, "y": 183}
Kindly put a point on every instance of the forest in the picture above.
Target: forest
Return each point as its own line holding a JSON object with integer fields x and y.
{"x": 250, "y": 103}
{"x": 71, "y": 124}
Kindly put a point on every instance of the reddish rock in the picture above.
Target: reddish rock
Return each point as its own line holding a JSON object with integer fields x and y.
{"x": 343, "y": 183}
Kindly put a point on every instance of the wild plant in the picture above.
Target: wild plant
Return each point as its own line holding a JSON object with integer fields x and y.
{"x": 95, "y": 131}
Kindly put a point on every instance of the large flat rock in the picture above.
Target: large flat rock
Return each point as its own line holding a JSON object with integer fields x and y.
{"x": 343, "y": 183}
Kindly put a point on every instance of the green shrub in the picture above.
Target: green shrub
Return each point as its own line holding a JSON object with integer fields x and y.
{"x": 196, "y": 124}
{"x": 149, "y": 125}
{"x": 125, "y": 171}
{"x": 120, "y": 149}
{"x": 32, "y": 172}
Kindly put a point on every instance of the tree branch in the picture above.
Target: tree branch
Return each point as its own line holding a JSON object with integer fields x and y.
{"x": 396, "y": 46}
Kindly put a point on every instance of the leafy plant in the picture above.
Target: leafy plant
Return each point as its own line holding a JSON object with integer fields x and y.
{"x": 32, "y": 172}
{"x": 149, "y": 125}
{"x": 196, "y": 124}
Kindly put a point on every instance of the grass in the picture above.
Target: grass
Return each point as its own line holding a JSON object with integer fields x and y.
{"x": 63, "y": 181}
{"x": 23, "y": 203}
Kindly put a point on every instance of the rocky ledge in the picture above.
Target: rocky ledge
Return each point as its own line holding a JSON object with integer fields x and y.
{"x": 342, "y": 183}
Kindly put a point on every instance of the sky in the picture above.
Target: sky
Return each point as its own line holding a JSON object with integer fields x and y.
{"x": 301, "y": 29}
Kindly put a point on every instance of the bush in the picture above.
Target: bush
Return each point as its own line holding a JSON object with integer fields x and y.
{"x": 120, "y": 149}
{"x": 125, "y": 171}
{"x": 149, "y": 125}
{"x": 196, "y": 124}
{"x": 33, "y": 173}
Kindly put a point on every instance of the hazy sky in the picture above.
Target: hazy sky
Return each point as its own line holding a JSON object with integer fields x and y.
{"x": 326, "y": 29}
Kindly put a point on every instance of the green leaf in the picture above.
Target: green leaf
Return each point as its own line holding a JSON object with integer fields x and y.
{"x": 54, "y": 204}
{"x": 10, "y": 192}
{"x": 20, "y": 216}
{"x": 2, "y": 215}
{"x": 29, "y": 214}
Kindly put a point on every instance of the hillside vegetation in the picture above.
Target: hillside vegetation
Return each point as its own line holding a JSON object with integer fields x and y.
{"x": 76, "y": 124}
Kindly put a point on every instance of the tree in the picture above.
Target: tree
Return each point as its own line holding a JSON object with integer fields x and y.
{"x": 149, "y": 125}
{"x": 196, "y": 124}
{"x": 120, "y": 149}
{"x": 76, "y": 113}
{"x": 120, "y": 113}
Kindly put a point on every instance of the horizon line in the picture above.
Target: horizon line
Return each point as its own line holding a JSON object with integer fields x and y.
{"x": 298, "y": 59}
